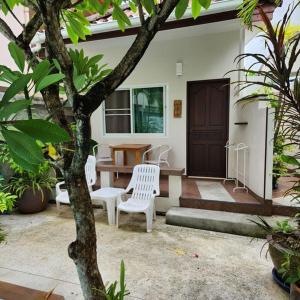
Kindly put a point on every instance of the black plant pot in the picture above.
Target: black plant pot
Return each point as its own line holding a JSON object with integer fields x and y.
{"x": 277, "y": 278}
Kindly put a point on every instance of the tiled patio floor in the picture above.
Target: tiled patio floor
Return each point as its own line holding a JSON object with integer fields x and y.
{"x": 190, "y": 189}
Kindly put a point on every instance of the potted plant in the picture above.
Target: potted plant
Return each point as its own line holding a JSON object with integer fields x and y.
{"x": 284, "y": 249}
{"x": 32, "y": 189}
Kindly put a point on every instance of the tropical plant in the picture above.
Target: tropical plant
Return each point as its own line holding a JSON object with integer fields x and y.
{"x": 286, "y": 234}
{"x": 22, "y": 180}
{"x": 247, "y": 8}
{"x": 276, "y": 69}
{"x": 7, "y": 200}
{"x": 111, "y": 292}
{"x": 2, "y": 235}
{"x": 51, "y": 16}
{"x": 21, "y": 135}
{"x": 272, "y": 75}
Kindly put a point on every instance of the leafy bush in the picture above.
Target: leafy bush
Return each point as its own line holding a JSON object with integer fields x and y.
{"x": 7, "y": 200}
{"x": 23, "y": 180}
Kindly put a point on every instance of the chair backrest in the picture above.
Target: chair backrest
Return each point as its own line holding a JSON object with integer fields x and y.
{"x": 102, "y": 151}
{"x": 144, "y": 182}
{"x": 90, "y": 171}
{"x": 164, "y": 152}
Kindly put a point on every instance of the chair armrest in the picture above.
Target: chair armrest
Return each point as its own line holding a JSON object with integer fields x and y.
{"x": 144, "y": 154}
{"x": 149, "y": 150}
{"x": 57, "y": 187}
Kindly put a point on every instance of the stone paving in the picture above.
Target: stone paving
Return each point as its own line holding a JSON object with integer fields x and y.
{"x": 169, "y": 263}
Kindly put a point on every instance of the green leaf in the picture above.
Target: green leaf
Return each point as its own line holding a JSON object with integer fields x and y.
{"x": 148, "y": 4}
{"x": 42, "y": 130}
{"x": 48, "y": 80}
{"x": 205, "y": 3}
{"x": 72, "y": 35}
{"x": 132, "y": 6}
{"x": 7, "y": 74}
{"x": 196, "y": 8}
{"x": 16, "y": 87}
{"x": 23, "y": 149}
{"x": 18, "y": 55}
{"x": 291, "y": 160}
{"x": 41, "y": 70}
{"x": 12, "y": 108}
{"x": 119, "y": 15}
{"x": 181, "y": 8}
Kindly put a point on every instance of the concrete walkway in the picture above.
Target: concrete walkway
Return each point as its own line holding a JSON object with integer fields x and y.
{"x": 171, "y": 263}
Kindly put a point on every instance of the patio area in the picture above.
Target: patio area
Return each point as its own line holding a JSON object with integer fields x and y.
{"x": 183, "y": 263}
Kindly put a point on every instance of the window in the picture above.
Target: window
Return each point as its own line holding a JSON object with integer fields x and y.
{"x": 136, "y": 110}
{"x": 118, "y": 112}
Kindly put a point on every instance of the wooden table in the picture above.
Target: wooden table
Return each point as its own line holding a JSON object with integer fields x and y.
{"x": 137, "y": 149}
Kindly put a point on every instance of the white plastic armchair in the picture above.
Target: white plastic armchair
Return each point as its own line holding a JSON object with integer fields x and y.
{"x": 102, "y": 153}
{"x": 90, "y": 175}
{"x": 159, "y": 155}
{"x": 145, "y": 185}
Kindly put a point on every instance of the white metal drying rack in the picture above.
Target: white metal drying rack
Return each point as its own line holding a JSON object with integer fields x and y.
{"x": 239, "y": 147}
{"x": 227, "y": 147}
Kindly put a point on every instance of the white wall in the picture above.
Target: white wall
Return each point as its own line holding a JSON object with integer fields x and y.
{"x": 204, "y": 57}
{"x": 206, "y": 54}
{"x": 5, "y": 58}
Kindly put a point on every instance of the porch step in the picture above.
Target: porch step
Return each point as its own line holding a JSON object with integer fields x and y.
{"x": 219, "y": 221}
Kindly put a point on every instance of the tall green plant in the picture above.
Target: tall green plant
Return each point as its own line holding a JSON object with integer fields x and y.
{"x": 276, "y": 69}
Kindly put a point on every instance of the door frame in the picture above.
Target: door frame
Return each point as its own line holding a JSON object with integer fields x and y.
{"x": 188, "y": 84}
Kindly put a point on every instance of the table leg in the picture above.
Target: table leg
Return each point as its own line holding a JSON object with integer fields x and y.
{"x": 111, "y": 210}
{"x": 124, "y": 157}
{"x": 138, "y": 157}
{"x": 113, "y": 156}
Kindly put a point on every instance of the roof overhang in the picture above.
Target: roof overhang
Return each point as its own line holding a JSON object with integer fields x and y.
{"x": 219, "y": 11}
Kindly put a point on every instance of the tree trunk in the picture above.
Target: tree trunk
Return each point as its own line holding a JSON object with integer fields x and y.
{"x": 84, "y": 249}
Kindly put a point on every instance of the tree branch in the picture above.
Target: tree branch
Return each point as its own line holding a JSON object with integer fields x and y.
{"x": 105, "y": 87}
{"x": 141, "y": 12}
{"x": 6, "y": 31}
{"x": 31, "y": 29}
{"x": 55, "y": 43}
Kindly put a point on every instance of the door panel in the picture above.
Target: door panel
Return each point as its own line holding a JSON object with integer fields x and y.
{"x": 207, "y": 127}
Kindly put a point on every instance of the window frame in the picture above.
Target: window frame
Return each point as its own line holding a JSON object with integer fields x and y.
{"x": 132, "y": 133}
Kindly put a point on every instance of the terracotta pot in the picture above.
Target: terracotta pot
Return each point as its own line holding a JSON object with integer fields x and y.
{"x": 277, "y": 253}
{"x": 295, "y": 292}
{"x": 33, "y": 202}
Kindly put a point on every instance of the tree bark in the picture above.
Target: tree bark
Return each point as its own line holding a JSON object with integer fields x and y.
{"x": 83, "y": 250}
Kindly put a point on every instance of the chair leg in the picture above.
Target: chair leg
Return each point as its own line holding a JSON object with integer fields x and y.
{"x": 118, "y": 215}
{"x": 58, "y": 205}
{"x": 154, "y": 212}
{"x": 149, "y": 217}
{"x": 111, "y": 214}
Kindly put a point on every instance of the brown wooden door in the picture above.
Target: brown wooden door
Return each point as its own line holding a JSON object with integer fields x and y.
{"x": 207, "y": 127}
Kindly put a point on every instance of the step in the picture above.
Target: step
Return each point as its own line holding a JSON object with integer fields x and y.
{"x": 219, "y": 221}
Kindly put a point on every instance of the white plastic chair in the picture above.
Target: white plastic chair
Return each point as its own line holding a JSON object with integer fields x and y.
{"x": 90, "y": 175}
{"x": 159, "y": 155}
{"x": 145, "y": 185}
{"x": 102, "y": 152}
